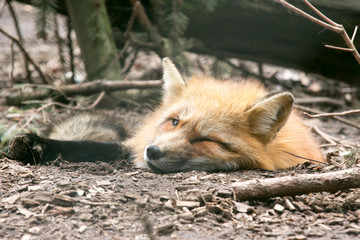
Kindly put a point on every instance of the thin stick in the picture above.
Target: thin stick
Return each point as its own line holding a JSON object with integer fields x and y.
{"x": 309, "y": 17}
{"x": 305, "y": 158}
{"x": 330, "y": 25}
{"x": 340, "y": 119}
{"x": 325, "y": 136}
{"x": 314, "y": 9}
{"x": 339, "y": 48}
{"x": 44, "y": 80}
{"x": 354, "y": 33}
{"x": 16, "y": 23}
{"x": 333, "y": 114}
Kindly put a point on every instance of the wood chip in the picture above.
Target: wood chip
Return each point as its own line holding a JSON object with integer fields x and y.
{"x": 29, "y": 203}
{"x": 279, "y": 208}
{"x": 62, "y": 200}
{"x": 165, "y": 228}
{"x": 188, "y": 204}
{"x": 289, "y": 205}
{"x": 65, "y": 211}
{"x": 12, "y": 199}
{"x": 243, "y": 208}
{"x": 103, "y": 183}
{"x": 187, "y": 216}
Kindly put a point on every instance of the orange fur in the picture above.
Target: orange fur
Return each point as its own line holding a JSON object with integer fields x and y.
{"x": 222, "y": 125}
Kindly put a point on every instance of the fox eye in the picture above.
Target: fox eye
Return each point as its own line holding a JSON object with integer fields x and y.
{"x": 175, "y": 122}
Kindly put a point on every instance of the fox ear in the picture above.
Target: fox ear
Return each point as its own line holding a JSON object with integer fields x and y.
{"x": 268, "y": 116}
{"x": 173, "y": 82}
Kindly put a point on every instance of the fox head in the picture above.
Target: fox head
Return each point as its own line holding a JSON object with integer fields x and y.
{"x": 208, "y": 124}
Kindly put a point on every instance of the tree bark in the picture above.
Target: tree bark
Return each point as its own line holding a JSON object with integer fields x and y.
{"x": 93, "y": 30}
{"x": 297, "y": 185}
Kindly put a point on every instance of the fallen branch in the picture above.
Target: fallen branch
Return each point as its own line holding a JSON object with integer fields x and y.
{"x": 333, "y": 114}
{"x": 87, "y": 88}
{"x": 297, "y": 185}
{"x": 328, "y": 24}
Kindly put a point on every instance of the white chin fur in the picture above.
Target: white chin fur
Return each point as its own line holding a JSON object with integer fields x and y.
{"x": 146, "y": 158}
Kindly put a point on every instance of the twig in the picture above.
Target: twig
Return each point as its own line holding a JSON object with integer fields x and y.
{"x": 297, "y": 185}
{"x": 96, "y": 102}
{"x": 333, "y": 114}
{"x": 333, "y": 140}
{"x": 16, "y": 23}
{"x": 340, "y": 119}
{"x": 44, "y": 80}
{"x": 328, "y": 24}
{"x": 71, "y": 52}
{"x": 325, "y": 136}
{"x": 305, "y": 158}
{"x": 315, "y": 10}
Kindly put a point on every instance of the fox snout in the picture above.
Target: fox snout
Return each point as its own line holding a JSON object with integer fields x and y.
{"x": 152, "y": 152}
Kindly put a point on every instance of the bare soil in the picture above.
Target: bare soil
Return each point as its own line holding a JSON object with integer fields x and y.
{"x": 114, "y": 200}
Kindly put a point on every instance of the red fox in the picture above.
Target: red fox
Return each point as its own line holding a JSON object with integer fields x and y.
{"x": 201, "y": 124}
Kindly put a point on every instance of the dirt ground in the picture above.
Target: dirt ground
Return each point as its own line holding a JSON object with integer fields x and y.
{"x": 114, "y": 200}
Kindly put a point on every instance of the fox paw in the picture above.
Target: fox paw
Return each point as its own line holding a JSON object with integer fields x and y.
{"x": 27, "y": 148}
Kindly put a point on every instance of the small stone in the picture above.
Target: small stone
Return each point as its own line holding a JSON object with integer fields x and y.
{"x": 62, "y": 200}
{"x": 279, "y": 208}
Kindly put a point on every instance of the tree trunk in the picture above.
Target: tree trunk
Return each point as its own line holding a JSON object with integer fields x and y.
{"x": 91, "y": 23}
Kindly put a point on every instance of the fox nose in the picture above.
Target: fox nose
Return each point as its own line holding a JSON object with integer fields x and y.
{"x": 153, "y": 152}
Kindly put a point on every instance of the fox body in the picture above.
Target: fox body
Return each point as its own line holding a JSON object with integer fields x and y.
{"x": 207, "y": 124}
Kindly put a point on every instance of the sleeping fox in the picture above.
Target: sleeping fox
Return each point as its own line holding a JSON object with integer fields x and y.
{"x": 201, "y": 124}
